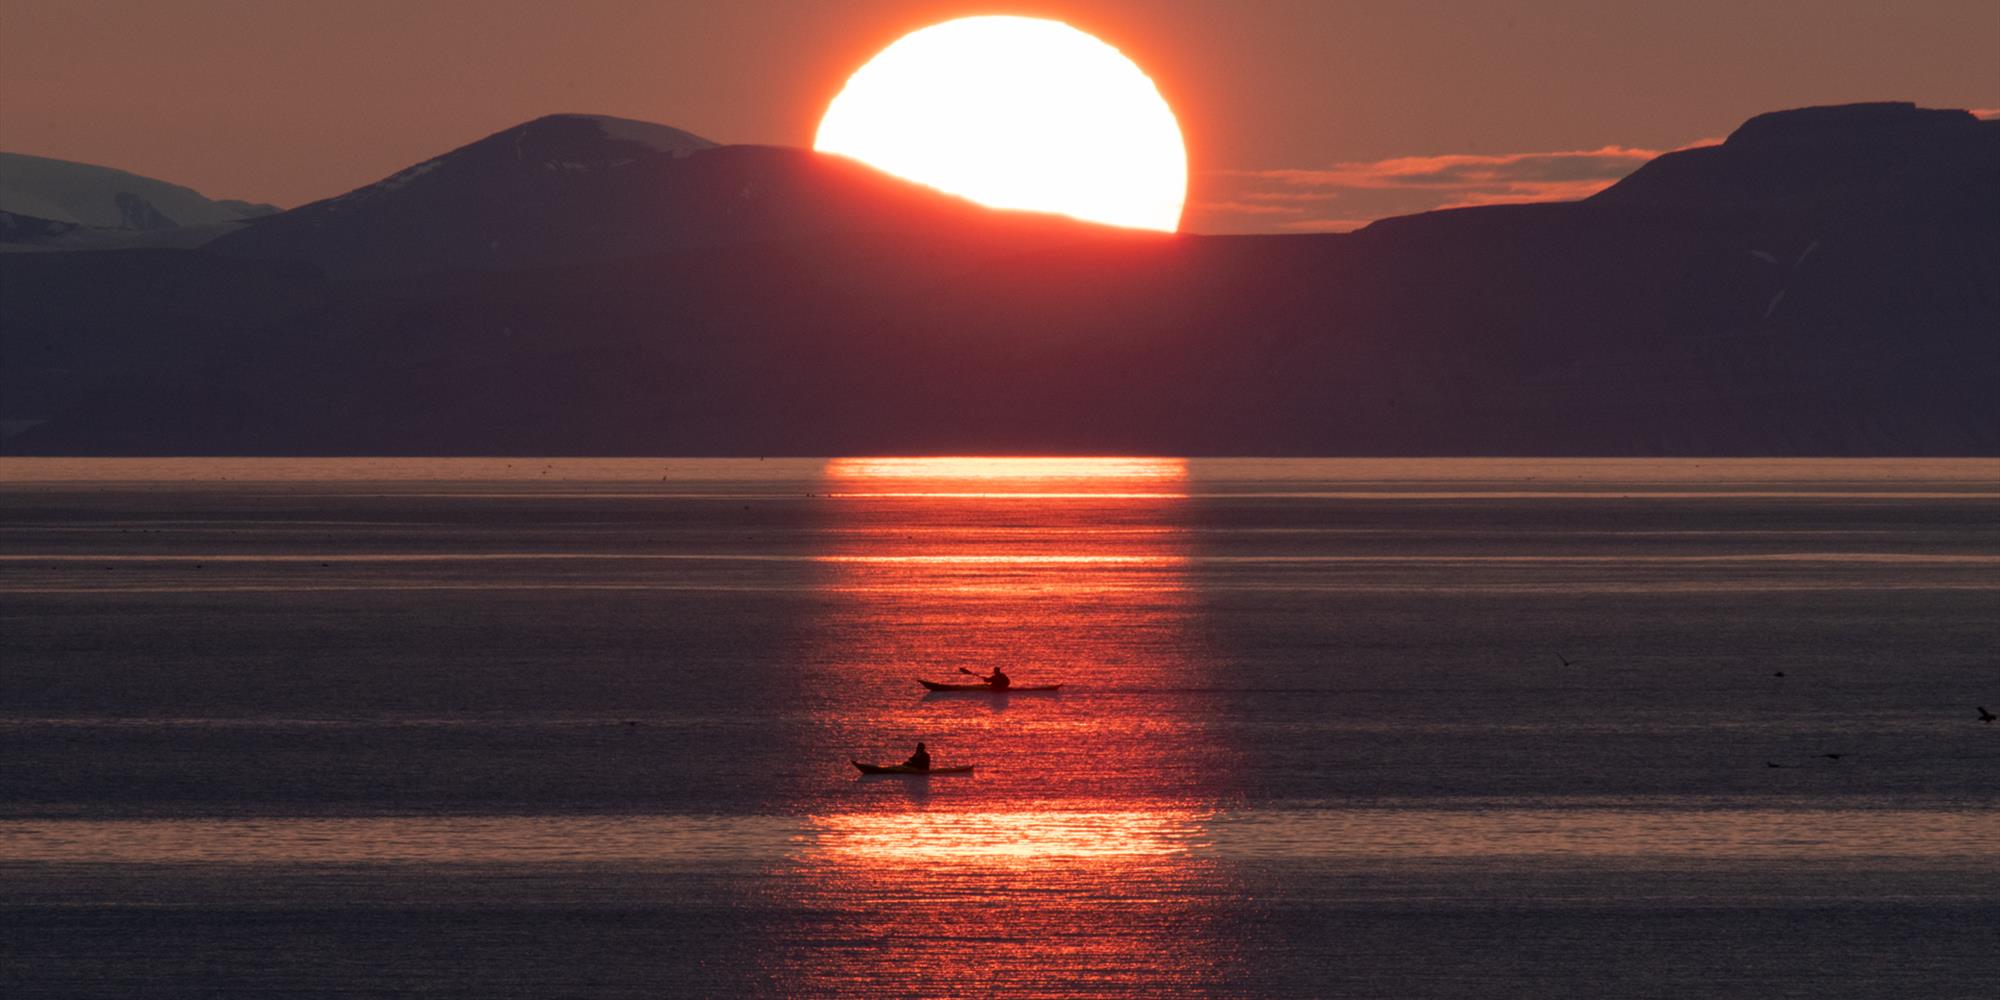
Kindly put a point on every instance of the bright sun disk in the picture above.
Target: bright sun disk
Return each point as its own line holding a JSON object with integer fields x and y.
{"x": 1016, "y": 112}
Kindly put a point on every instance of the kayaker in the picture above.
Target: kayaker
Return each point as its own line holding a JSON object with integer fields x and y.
{"x": 921, "y": 760}
{"x": 997, "y": 680}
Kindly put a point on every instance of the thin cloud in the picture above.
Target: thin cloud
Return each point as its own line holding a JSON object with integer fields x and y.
{"x": 1250, "y": 207}
{"x": 1509, "y": 172}
{"x": 1374, "y": 189}
{"x": 1284, "y": 196}
{"x": 1524, "y": 194}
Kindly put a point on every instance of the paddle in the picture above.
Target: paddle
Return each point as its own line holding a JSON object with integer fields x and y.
{"x": 981, "y": 677}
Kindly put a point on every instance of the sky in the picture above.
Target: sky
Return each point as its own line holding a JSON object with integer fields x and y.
{"x": 1299, "y": 115}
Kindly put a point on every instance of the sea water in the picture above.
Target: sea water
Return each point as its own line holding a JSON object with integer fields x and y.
{"x": 545, "y": 727}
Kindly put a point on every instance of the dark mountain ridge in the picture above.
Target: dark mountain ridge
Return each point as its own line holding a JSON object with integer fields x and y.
{"x": 1827, "y": 282}
{"x": 567, "y": 188}
{"x": 1848, "y": 158}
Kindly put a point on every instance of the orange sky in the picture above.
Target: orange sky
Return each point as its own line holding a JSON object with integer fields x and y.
{"x": 1299, "y": 114}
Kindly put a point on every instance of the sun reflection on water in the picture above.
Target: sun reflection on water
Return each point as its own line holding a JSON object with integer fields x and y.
{"x": 1071, "y": 845}
{"x": 976, "y": 837}
{"x": 1009, "y": 477}
{"x": 959, "y": 902}
{"x": 943, "y": 573}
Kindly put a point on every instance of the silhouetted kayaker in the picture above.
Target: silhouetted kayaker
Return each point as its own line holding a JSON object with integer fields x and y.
{"x": 921, "y": 760}
{"x": 997, "y": 680}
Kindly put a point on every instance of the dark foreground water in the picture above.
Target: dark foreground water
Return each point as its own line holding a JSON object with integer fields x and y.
{"x": 480, "y": 728}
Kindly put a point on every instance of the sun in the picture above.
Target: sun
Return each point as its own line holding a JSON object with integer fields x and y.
{"x": 1016, "y": 112}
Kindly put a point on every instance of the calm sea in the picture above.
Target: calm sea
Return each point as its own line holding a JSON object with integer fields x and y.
{"x": 530, "y": 727}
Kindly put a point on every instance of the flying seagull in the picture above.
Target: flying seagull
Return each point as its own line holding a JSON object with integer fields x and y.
{"x": 1833, "y": 756}
{"x": 1986, "y": 716}
{"x": 1770, "y": 258}
{"x": 1565, "y": 660}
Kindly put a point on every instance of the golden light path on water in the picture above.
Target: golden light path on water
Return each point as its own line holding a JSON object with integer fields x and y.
{"x": 886, "y": 844}
{"x": 1065, "y": 847}
{"x": 1010, "y": 477}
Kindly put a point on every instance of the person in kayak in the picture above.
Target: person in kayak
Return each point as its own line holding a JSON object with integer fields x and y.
{"x": 997, "y": 680}
{"x": 921, "y": 760}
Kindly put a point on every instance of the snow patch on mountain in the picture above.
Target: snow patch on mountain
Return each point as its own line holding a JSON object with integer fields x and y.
{"x": 406, "y": 176}
{"x": 668, "y": 140}
{"x": 85, "y": 194}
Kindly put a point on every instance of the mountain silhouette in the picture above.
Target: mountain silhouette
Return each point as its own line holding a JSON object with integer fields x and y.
{"x": 567, "y": 188}
{"x": 61, "y": 204}
{"x": 1848, "y": 158}
{"x": 1825, "y": 282}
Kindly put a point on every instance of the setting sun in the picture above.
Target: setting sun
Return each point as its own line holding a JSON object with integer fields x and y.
{"x": 1020, "y": 113}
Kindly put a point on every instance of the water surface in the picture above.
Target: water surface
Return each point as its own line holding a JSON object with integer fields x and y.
{"x": 1328, "y": 728}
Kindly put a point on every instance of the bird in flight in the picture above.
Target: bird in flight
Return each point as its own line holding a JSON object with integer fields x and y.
{"x": 1986, "y": 716}
{"x": 1566, "y": 661}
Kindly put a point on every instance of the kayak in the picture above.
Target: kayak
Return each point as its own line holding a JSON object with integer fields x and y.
{"x": 907, "y": 769}
{"x": 988, "y": 688}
